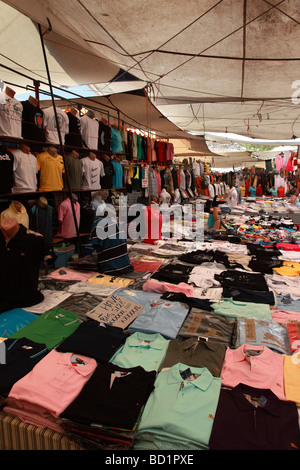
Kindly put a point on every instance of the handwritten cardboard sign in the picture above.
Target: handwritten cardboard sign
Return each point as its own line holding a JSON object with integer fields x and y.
{"x": 115, "y": 311}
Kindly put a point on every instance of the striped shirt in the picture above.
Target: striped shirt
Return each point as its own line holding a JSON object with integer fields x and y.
{"x": 111, "y": 248}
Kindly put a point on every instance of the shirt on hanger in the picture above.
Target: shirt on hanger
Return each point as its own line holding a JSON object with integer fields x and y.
{"x": 89, "y": 132}
{"x": 10, "y": 116}
{"x": 32, "y": 122}
{"x": 91, "y": 172}
{"x": 51, "y": 126}
{"x": 25, "y": 172}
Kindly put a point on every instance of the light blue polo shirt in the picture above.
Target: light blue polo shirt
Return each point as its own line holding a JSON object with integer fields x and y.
{"x": 179, "y": 413}
{"x": 158, "y": 316}
{"x": 142, "y": 349}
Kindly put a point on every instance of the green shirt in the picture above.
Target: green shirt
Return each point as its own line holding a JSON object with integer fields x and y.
{"x": 202, "y": 353}
{"x": 50, "y": 328}
{"x": 234, "y": 308}
{"x": 142, "y": 349}
{"x": 179, "y": 413}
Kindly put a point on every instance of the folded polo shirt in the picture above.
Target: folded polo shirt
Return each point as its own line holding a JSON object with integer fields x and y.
{"x": 51, "y": 385}
{"x": 14, "y": 320}
{"x": 94, "y": 340}
{"x": 143, "y": 349}
{"x": 259, "y": 332}
{"x": 50, "y": 328}
{"x": 21, "y": 355}
{"x": 200, "y": 323}
{"x": 114, "y": 396}
{"x": 180, "y": 411}
{"x": 196, "y": 352}
{"x": 256, "y": 366}
{"x": 248, "y": 295}
{"x": 157, "y": 316}
{"x": 249, "y": 418}
{"x": 291, "y": 370}
{"x": 234, "y": 308}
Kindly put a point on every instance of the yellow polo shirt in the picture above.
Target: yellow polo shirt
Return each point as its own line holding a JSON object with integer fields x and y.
{"x": 291, "y": 373}
{"x": 51, "y": 170}
{"x": 12, "y": 213}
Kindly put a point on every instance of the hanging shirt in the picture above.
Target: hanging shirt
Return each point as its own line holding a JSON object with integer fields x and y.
{"x": 73, "y": 137}
{"x": 6, "y": 170}
{"x": 115, "y": 140}
{"x": 51, "y": 170}
{"x": 10, "y": 116}
{"x": 106, "y": 179}
{"x": 74, "y": 169}
{"x": 25, "y": 172}
{"x": 51, "y": 126}
{"x": 91, "y": 172}
{"x": 89, "y": 132}
{"x": 32, "y": 122}
{"x": 104, "y": 137}
{"x": 117, "y": 179}
{"x": 67, "y": 227}
{"x": 252, "y": 191}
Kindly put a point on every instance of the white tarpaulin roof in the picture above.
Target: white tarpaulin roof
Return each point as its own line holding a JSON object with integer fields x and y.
{"x": 211, "y": 65}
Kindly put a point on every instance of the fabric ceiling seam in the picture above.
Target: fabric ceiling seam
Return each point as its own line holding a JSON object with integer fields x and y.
{"x": 186, "y": 27}
{"x": 283, "y": 12}
{"x": 225, "y": 37}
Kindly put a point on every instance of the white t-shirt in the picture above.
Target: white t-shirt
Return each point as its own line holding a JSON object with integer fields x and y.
{"x": 25, "y": 170}
{"x": 10, "y": 116}
{"x": 91, "y": 172}
{"x": 89, "y": 132}
{"x": 50, "y": 125}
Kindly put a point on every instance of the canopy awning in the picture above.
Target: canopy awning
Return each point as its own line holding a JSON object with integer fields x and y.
{"x": 214, "y": 65}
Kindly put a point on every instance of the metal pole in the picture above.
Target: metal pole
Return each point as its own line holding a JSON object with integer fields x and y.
{"x": 60, "y": 140}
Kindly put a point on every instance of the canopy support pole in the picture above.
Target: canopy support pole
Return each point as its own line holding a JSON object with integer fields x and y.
{"x": 60, "y": 140}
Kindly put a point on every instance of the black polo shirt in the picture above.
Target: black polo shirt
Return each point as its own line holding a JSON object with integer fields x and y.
{"x": 240, "y": 425}
{"x": 93, "y": 340}
{"x": 113, "y": 396}
{"x": 19, "y": 269}
{"x": 20, "y": 358}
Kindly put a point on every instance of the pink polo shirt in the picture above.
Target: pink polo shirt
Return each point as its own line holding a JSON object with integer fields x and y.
{"x": 66, "y": 227}
{"x": 261, "y": 371}
{"x": 52, "y": 384}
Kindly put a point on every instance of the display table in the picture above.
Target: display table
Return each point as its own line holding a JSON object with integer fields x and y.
{"x": 16, "y": 435}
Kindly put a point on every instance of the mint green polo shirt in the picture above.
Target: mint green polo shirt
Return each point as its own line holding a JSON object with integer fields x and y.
{"x": 50, "y": 328}
{"x": 179, "y": 412}
{"x": 234, "y": 308}
{"x": 142, "y": 349}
